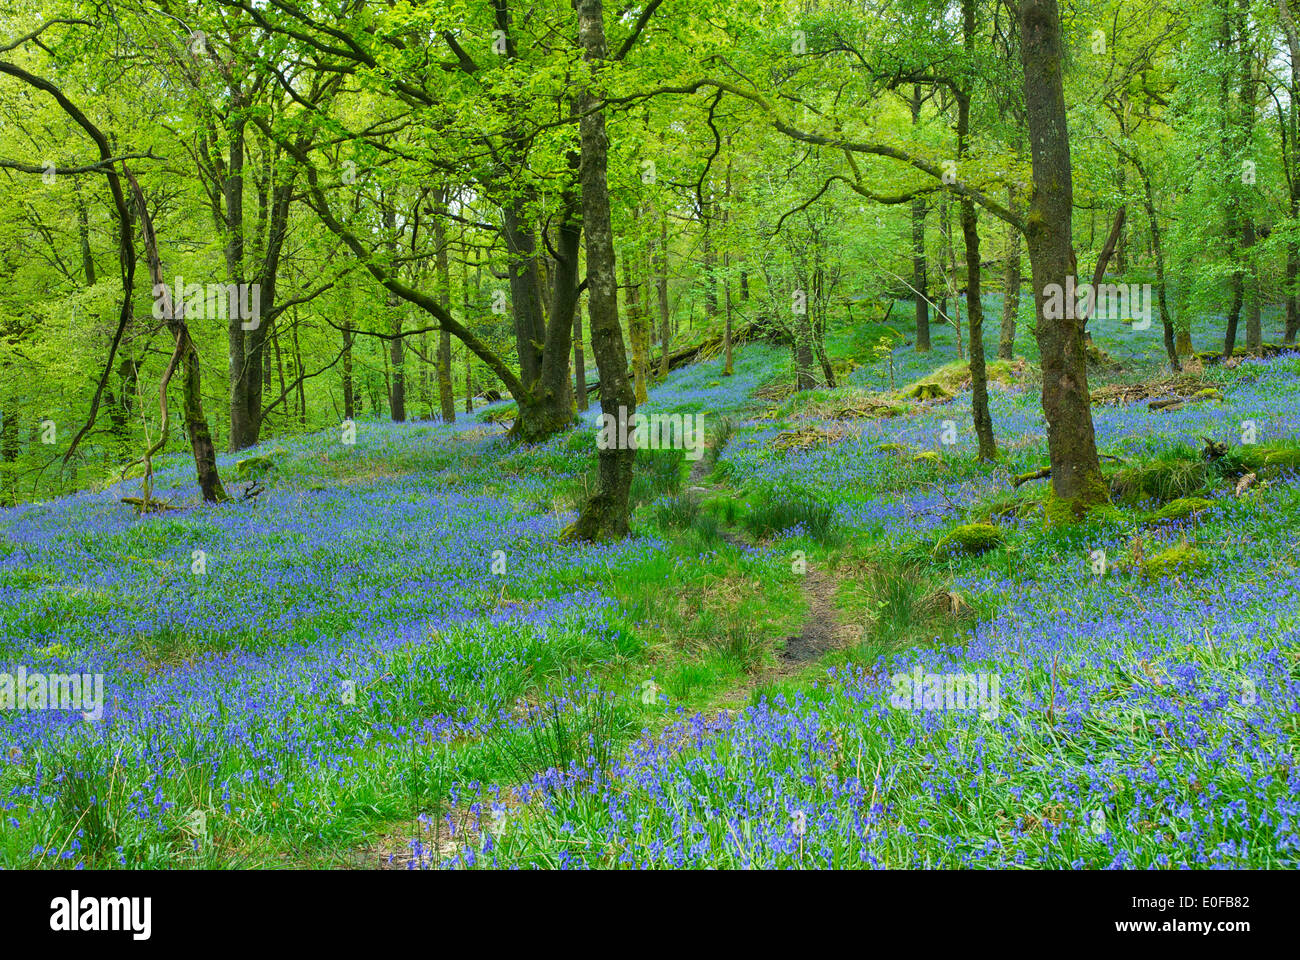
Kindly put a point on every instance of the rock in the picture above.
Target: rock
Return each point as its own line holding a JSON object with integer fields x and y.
{"x": 252, "y": 467}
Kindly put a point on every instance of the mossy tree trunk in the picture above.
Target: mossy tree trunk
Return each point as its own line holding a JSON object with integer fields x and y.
{"x": 1010, "y": 287}
{"x": 1077, "y": 483}
{"x": 918, "y": 250}
{"x": 988, "y": 449}
{"x": 605, "y": 514}
{"x": 636, "y": 324}
{"x": 661, "y": 287}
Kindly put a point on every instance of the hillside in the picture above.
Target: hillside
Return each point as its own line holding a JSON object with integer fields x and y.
{"x": 389, "y": 657}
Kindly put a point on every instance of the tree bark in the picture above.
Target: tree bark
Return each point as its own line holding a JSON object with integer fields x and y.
{"x": 983, "y": 420}
{"x": 918, "y": 250}
{"x": 446, "y": 396}
{"x": 1292, "y": 160}
{"x": 1077, "y": 483}
{"x": 196, "y": 424}
{"x": 605, "y": 515}
{"x": 661, "y": 287}
{"x": 1010, "y": 288}
{"x": 636, "y": 330}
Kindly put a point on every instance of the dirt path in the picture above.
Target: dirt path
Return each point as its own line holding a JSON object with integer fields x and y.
{"x": 822, "y": 630}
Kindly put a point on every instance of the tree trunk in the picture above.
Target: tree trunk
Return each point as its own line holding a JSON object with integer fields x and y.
{"x": 635, "y": 330}
{"x": 349, "y": 399}
{"x": 1249, "y": 261}
{"x": 606, "y": 513}
{"x": 1232, "y": 206}
{"x": 918, "y": 250}
{"x": 1293, "y": 168}
{"x": 710, "y": 258}
{"x": 196, "y": 424}
{"x": 579, "y": 362}
{"x": 1157, "y": 249}
{"x": 1077, "y": 483}
{"x": 446, "y": 396}
{"x": 1010, "y": 288}
{"x": 232, "y": 189}
{"x": 970, "y": 233}
{"x": 1251, "y": 292}
{"x": 661, "y": 287}
{"x": 258, "y": 370}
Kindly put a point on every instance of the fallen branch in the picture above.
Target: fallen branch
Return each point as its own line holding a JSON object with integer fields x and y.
{"x": 1042, "y": 474}
{"x": 148, "y": 505}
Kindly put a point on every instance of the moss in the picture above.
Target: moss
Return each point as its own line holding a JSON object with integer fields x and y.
{"x": 970, "y": 538}
{"x": 889, "y": 448}
{"x": 1058, "y": 511}
{"x": 1106, "y": 513}
{"x": 927, "y": 391}
{"x": 1209, "y": 393}
{"x": 1181, "y": 508}
{"x": 580, "y": 441}
{"x": 1288, "y": 458}
{"x": 1181, "y": 559}
{"x": 251, "y": 467}
{"x": 1164, "y": 479}
{"x": 928, "y": 456}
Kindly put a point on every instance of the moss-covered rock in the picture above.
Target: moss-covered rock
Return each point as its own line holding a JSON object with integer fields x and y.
{"x": 1181, "y": 508}
{"x": 971, "y": 538}
{"x": 1209, "y": 393}
{"x": 928, "y": 457}
{"x": 1179, "y": 560}
{"x": 889, "y": 448}
{"x": 252, "y": 467}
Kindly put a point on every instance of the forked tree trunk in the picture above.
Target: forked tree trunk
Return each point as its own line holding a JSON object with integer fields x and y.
{"x": 196, "y": 424}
